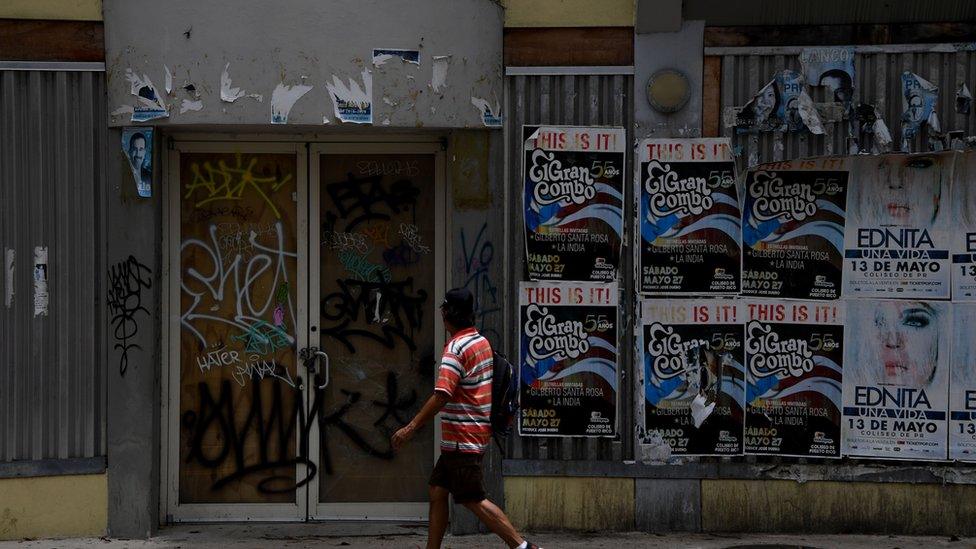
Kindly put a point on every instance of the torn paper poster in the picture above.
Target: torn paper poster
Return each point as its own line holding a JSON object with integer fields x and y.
{"x": 8, "y": 279}
{"x": 40, "y": 281}
{"x": 490, "y": 116}
{"x": 150, "y": 103}
{"x": 830, "y": 67}
{"x": 123, "y": 110}
{"x": 382, "y": 55}
{"x": 439, "y": 78}
{"x": 964, "y": 99}
{"x": 168, "y": 85}
{"x": 352, "y": 103}
{"x": 137, "y": 147}
{"x": 191, "y": 105}
{"x": 919, "y": 101}
{"x": 283, "y": 98}
{"x": 699, "y": 410}
{"x": 781, "y": 105}
{"x": 229, "y": 93}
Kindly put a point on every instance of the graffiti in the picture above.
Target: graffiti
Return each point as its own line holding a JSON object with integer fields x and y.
{"x": 281, "y": 301}
{"x": 411, "y": 237}
{"x": 378, "y": 233}
{"x": 401, "y": 255}
{"x": 224, "y": 182}
{"x": 340, "y": 242}
{"x": 217, "y": 437}
{"x": 394, "y": 405}
{"x": 216, "y": 359}
{"x": 127, "y": 279}
{"x": 235, "y": 238}
{"x": 476, "y": 268}
{"x": 262, "y": 338}
{"x": 393, "y": 306}
{"x": 394, "y": 167}
{"x": 261, "y": 369}
{"x": 238, "y": 212}
{"x": 360, "y": 268}
{"x": 358, "y": 197}
{"x": 218, "y": 282}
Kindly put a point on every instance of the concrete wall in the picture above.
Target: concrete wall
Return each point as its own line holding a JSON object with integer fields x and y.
{"x": 80, "y": 10}
{"x": 308, "y": 43}
{"x": 570, "y": 503}
{"x": 569, "y": 13}
{"x": 133, "y": 226}
{"x": 680, "y": 50}
{"x": 53, "y": 507}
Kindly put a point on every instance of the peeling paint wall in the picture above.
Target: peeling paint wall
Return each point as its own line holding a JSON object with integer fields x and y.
{"x": 570, "y": 503}
{"x": 313, "y": 44}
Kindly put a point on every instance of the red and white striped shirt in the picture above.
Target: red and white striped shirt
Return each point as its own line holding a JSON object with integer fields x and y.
{"x": 465, "y": 377}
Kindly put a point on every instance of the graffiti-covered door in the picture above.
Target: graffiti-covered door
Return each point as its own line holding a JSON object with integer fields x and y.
{"x": 375, "y": 283}
{"x": 237, "y": 318}
{"x": 302, "y": 329}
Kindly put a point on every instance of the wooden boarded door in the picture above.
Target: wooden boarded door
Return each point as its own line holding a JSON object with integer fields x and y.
{"x": 241, "y": 405}
{"x": 377, "y": 300}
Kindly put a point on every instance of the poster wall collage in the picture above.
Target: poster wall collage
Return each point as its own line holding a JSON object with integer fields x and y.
{"x": 822, "y": 307}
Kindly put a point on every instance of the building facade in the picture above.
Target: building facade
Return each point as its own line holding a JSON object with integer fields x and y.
{"x": 221, "y": 281}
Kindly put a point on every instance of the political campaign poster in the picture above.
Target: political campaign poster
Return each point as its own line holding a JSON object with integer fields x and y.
{"x": 962, "y": 384}
{"x": 793, "y": 228}
{"x": 568, "y": 359}
{"x": 781, "y": 105}
{"x": 790, "y": 87}
{"x": 694, "y": 381}
{"x": 897, "y": 236}
{"x": 896, "y": 377}
{"x": 137, "y": 148}
{"x": 831, "y": 67}
{"x": 794, "y": 374}
{"x": 919, "y": 103}
{"x": 689, "y": 222}
{"x": 573, "y": 201}
{"x": 963, "y": 232}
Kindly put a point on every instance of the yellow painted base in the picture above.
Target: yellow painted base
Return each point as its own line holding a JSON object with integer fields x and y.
{"x": 569, "y": 13}
{"x": 53, "y": 507}
{"x": 570, "y": 503}
{"x": 80, "y": 10}
{"x": 837, "y": 507}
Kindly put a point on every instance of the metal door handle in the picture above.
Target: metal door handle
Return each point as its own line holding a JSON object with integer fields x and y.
{"x": 311, "y": 355}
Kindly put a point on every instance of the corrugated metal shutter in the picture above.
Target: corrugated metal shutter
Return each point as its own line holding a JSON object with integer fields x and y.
{"x": 579, "y": 100}
{"x": 53, "y": 140}
{"x": 878, "y": 72}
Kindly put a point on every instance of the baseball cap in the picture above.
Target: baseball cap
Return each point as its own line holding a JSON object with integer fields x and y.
{"x": 459, "y": 300}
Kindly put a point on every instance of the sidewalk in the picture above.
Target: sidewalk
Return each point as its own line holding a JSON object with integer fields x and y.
{"x": 353, "y": 535}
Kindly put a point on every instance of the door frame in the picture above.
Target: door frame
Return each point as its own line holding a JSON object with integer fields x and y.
{"x": 399, "y": 511}
{"x": 305, "y": 506}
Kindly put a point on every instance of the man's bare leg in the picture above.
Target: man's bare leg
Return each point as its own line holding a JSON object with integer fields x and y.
{"x": 496, "y": 521}
{"x": 438, "y": 517}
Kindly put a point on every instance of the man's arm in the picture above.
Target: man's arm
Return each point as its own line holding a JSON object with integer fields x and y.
{"x": 430, "y": 409}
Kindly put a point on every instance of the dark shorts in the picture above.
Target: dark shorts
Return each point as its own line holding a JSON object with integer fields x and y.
{"x": 460, "y": 473}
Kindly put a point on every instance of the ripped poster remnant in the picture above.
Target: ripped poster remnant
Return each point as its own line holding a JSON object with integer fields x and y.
{"x": 168, "y": 82}
{"x": 352, "y": 103}
{"x": 382, "y": 55}
{"x": 191, "y": 105}
{"x": 781, "y": 105}
{"x": 832, "y": 68}
{"x": 439, "y": 78}
{"x": 691, "y": 352}
{"x": 150, "y": 102}
{"x": 919, "y": 102}
{"x": 137, "y": 148}
{"x": 689, "y": 222}
{"x": 573, "y": 201}
{"x": 229, "y": 93}
{"x": 568, "y": 356}
{"x": 794, "y": 377}
{"x": 964, "y": 99}
{"x": 283, "y": 98}
{"x": 491, "y": 116}
{"x": 8, "y": 269}
{"x": 40, "y": 281}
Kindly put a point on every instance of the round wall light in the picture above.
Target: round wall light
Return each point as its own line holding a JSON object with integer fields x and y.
{"x": 668, "y": 90}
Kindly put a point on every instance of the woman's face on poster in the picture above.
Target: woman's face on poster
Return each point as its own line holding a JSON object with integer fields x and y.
{"x": 765, "y": 102}
{"x": 907, "y": 342}
{"x": 911, "y": 195}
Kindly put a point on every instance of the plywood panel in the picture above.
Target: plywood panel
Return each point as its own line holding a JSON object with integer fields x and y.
{"x": 239, "y": 397}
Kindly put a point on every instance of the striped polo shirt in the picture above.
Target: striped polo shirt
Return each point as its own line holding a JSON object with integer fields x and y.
{"x": 465, "y": 377}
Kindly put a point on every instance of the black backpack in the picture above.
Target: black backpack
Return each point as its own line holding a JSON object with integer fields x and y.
{"x": 504, "y": 398}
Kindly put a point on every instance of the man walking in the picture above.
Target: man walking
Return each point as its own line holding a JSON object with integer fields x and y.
{"x": 463, "y": 390}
